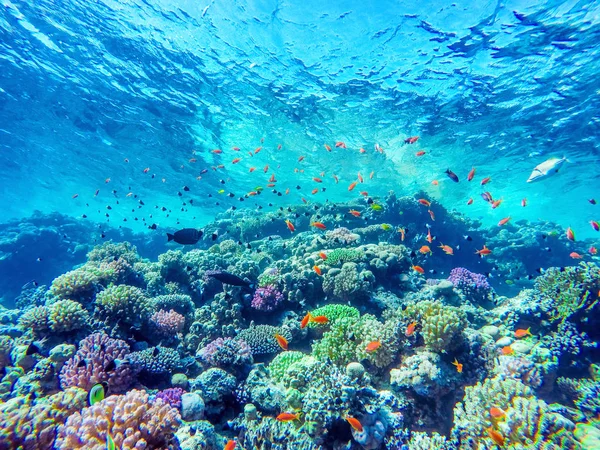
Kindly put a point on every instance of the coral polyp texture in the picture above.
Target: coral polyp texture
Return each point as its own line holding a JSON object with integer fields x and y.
{"x": 312, "y": 340}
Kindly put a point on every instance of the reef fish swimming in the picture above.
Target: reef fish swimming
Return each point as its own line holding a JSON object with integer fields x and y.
{"x": 229, "y": 278}
{"x": 547, "y": 168}
{"x": 185, "y": 236}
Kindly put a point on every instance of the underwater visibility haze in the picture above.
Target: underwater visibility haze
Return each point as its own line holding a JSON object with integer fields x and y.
{"x": 299, "y": 225}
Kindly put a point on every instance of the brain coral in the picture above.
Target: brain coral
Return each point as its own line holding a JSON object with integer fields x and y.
{"x": 131, "y": 420}
{"x": 126, "y": 304}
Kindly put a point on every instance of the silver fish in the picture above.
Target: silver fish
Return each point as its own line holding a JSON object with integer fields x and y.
{"x": 546, "y": 169}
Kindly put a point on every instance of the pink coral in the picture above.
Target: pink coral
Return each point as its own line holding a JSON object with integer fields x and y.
{"x": 131, "y": 420}
{"x": 93, "y": 364}
{"x": 167, "y": 323}
{"x": 266, "y": 298}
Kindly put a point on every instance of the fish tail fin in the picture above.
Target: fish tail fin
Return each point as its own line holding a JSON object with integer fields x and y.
{"x": 170, "y": 237}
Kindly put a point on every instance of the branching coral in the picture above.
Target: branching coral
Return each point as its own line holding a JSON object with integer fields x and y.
{"x": 333, "y": 312}
{"x": 342, "y": 255}
{"x": 261, "y": 338}
{"x": 132, "y": 420}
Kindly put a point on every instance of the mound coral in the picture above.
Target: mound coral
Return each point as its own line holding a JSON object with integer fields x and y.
{"x": 124, "y": 304}
{"x": 92, "y": 364}
{"x": 261, "y": 338}
{"x": 266, "y": 298}
{"x": 36, "y": 319}
{"x": 348, "y": 283}
{"x": 474, "y": 286}
{"x": 333, "y": 312}
{"x": 341, "y": 235}
{"x": 167, "y": 323}
{"x": 226, "y": 353}
{"x": 282, "y": 362}
{"x": 155, "y": 360}
{"x": 66, "y": 315}
{"x": 82, "y": 283}
{"x": 132, "y": 420}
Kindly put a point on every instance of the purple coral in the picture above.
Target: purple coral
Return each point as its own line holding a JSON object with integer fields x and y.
{"x": 226, "y": 352}
{"x": 266, "y": 298}
{"x": 167, "y": 323}
{"x": 171, "y": 396}
{"x": 99, "y": 359}
{"x": 474, "y": 286}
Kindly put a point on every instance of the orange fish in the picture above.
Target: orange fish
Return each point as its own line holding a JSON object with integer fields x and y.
{"x": 410, "y": 329}
{"x": 327, "y": 147}
{"x": 362, "y": 150}
{"x": 271, "y": 185}
{"x": 470, "y": 201}
{"x": 278, "y": 146}
{"x": 471, "y": 174}
{"x": 524, "y": 202}
{"x": 236, "y": 160}
{"x": 420, "y": 153}
{"x": 435, "y": 182}
{"x": 217, "y": 151}
{"x": 314, "y": 191}
{"x": 497, "y": 413}
{"x": 75, "y": 196}
{"x": 424, "y": 202}
{"x": 290, "y": 225}
{"x": 304, "y": 200}
{"x": 595, "y": 225}
{"x": 317, "y": 270}
{"x": 593, "y": 250}
{"x": 272, "y": 179}
{"x": 258, "y": 149}
{"x": 570, "y": 234}
{"x": 283, "y": 343}
{"x": 484, "y": 251}
{"x": 252, "y": 169}
{"x": 287, "y": 191}
{"x": 360, "y": 178}
{"x": 266, "y": 168}
{"x": 504, "y": 221}
{"x": 237, "y": 149}
{"x": 107, "y": 180}
{"x": 323, "y": 256}
{"x": 287, "y": 417}
{"x": 575, "y": 255}
{"x": 425, "y": 249}
{"x": 147, "y": 169}
{"x": 508, "y": 350}
{"x": 305, "y": 320}
{"x": 220, "y": 166}
{"x": 322, "y": 320}
{"x": 495, "y": 436}
{"x": 364, "y": 193}
{"x": 402, "y": 232}
{"x": 411, "y": 139}
{"x": 354, "y": 212}
{"x": 318, "y": 225}
{"x": 373, "y": 173}
{"x": 336, "y": 179}
{"x": 496, "y": 203}
{"x": 301, "y": 158}
{"x": 520, "y": 333}
{"x": 431, "y": 214}
{"x": 447, "y": 249}
{"x": 418, "y": 269}
{"x": 318, "y": 180}
{"x": 230, "y": 445}
{"x": 459, "y": 366}
{"x": 340, "y": 144}
{"x": 352, "y": 186}
{"x": 372, "y": 346}
{"x": 429, "y": 237}
{"x": 355, "y": 423}
{"x": 486, "y": 180}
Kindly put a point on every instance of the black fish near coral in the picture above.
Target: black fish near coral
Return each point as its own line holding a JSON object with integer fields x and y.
{"x": 229, "y": 278}
{"x": 185, "y": 236}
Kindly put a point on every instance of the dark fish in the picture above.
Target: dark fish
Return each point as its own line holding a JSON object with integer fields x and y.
{"x": 452, "y": 175}
{"x": 152, "y": 227}
{"x": 487, "y": 197}
{"x": 110, "y": 366}
{"x": 32, "y": 349}
{"x": 81, "y": 363}
{"x": 214, "y": 236}
{"x": 155, "y": 351}
{"x": 185, "y": 236}
{"x": 229, "y": 278}
{"x": 84, "y": 217}
{"x": 592, "y": 201}
{"x": 185, "y": 188}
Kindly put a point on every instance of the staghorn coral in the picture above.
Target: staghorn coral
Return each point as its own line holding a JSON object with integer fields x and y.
{"x": 66, "y": 315}
{"x": 89, "y": 364}
{"x": 132, "y": 420}
{"x": 348, "y": 283}
{"x": 124, "y": 304}
{"x": 261, "y": 338}
{"x": 32, "y": 426}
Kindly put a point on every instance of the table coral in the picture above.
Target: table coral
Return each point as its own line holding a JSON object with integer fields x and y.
{"x": 132, "y": 420}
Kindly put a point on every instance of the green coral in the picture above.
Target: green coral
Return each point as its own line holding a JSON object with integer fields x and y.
{"x": 126, "y": 304}
{"x": 441, "y": 325}
{"x": 333, "y": 312}
{"x": 342, "y": 255}
{"x": 108, "y": 252}
{"x": 336, "y": 344}
{"x": 270, "y": 277}
{"x": 370, "y": 329}
{"x": 282, "y": 362}
{"x": 6, "y": 345}
{"x": 67, "y": 315}
{"x": 84, "y": 281}
{"x": 348, "y": 283}
{"x": 36, "y": 320}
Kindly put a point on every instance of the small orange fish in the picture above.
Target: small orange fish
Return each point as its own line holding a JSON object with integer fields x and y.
{"x": 252, "y": 169}
{"x": 360, "y": 178}
{"x": 372, "y": 346}
{"x": 429, "y": 237}
{"x": 402, "y": 232}
{"x": 424, "y": 202}
{"x": 495, "y": 436}
{"x": 425, "y": 249}
{"x": 575, "y": 255}
{"x": 354, "y": 212}
{"x": 107, "y": 180}
{"x": 371, "y": 175}
{"x": 459, "y": 366}
{"x": 355, "y": 423}
{"x": 431, "y": 214}
{"x": 272, "y": 179}
{"x": 318, "y": 225}
{"x": 322, "y": 320}
{"x": 287, "y": 417}
{"x": 362, "y": 150}
{"x": 570, "y": 234}
{"x": 420, "y": 153}
{"x": 496, "y": 203}
{"x": 447, "y": 249}
{"x": 317, "y": 270}
{"x": 486, "y": 180}
{"x": 364, "y": 193}
{"x": 497, "y": 413}
{"x": 304, "y": 200}
{"x": 484, "y": 251}
{"x": 352, "y": 185}
{"x": 217, "y": 151}
{"x": 220, "y": 166}
{"x": 266, "y": 168}
{"x": 435, "y": 183}
{"x": 237, "y": 149}
{"x": 327, "y": 147}
{"x": 336, "y": 179}
{"x": 411, "y": 139}
{"x": 314, "y": 191}
{"x": 256, "y": 150}
{"x": 318, "y": 180}
{"x": 147, "y": 169}
{"x": 508, "y": 350}
{"x": 278, "y": 146}
{"x": 410, "y": 329}
{"x": 230, "y": 445}
{"x": 305, "y": 320}
{"x": 236, "y": 160}
{"x": 340, "y": 144}
{"x": 504, "y": 221}
{"x": 593, "y": 250}
{"x": 301, "y": 158}
{"x": 470, "y": 201}
{"x": 524, "y": 202}
{"x": 471, "y": 174}
{"x": 323, "y": 256}
{"x": 418, "y": 269}
{"x": 520, "y": 333}
{"x": 75, "y": 196}
{"x": 283, "y": 343}
{"x": 290, "y": 225}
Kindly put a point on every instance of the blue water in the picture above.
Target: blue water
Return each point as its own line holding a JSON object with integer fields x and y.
{"x": 500, "y": 86}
